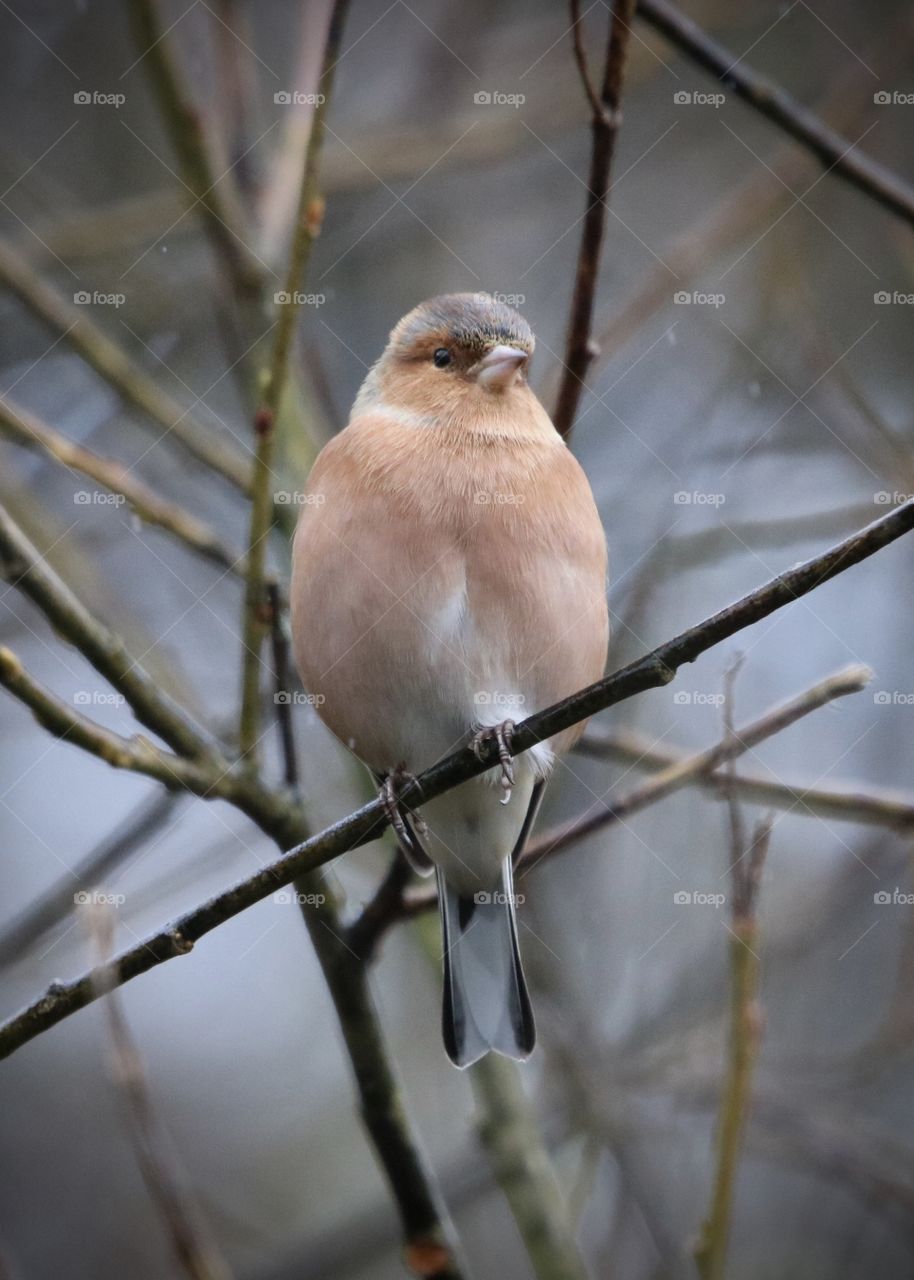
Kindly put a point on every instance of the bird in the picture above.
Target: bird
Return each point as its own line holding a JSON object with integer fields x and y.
{"x": 449, "y": 577}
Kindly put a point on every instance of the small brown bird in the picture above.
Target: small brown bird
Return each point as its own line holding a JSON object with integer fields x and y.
{"x": 449, "y": 578}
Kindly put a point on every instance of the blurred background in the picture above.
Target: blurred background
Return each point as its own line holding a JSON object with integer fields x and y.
{"x": 750, "y": 405}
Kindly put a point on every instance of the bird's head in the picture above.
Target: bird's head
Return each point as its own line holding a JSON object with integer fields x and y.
{"x": 455, "y": 353}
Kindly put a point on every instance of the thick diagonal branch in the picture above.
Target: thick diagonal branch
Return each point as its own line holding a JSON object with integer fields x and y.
{"x": 656, "y": 668}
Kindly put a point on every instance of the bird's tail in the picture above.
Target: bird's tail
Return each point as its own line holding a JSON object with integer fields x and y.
{"x": 486, "y": 1005}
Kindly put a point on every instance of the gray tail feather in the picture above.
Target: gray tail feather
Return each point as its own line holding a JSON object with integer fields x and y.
{"x": 486, "y": 1005}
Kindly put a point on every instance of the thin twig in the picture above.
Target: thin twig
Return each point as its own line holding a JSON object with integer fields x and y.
{"x": 873, "y": 807}
{"x": 745, "y": 1032}
{"x": 837, "y": 153}
{"x": 307, "y": 228}
{"x": 282, "y": 695}
{"x": 56, "y": 903}
{"x": 23, "y": 566}
{"x": 112, "y": 363}
{"x": 29, "y": 431}
{"x": 222, "y": 210}
{"x": 605, "y": 120}
{"x": 194, "y": 1249}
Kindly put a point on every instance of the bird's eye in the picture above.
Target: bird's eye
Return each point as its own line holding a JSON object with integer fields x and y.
{"x": 442, "y": 358}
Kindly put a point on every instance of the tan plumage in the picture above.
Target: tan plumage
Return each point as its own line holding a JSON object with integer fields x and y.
{"x": 449, "y": 572}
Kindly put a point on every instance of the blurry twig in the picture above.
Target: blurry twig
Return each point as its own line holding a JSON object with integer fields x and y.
{"x": 524, "y": 1171}
{"x": 26, "y": 429}
{"x": 745, "y": 1030}
{"x": 874, "y": 807}
{"x": 56, "y": 903}
{"x": 605, "y": 121}
{"x": 277, "y": 814}
{"x": 307, "y": 227}
{"x": 837, "y": 153}
{"x": 282, "y": 673}
{"x": 22, "y": 565}
{"x": 113, "y": 364}
{"x": 195, "y": 1251}
{"x": 183, "y": 120}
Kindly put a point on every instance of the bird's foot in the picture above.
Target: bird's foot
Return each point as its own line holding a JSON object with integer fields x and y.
{"x": 392, "y": 786}
{"x": 501, "y": 735}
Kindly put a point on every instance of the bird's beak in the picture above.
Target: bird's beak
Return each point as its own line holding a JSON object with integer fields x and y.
{"x": 498, "y": 368}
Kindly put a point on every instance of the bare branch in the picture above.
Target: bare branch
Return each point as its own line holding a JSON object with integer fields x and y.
{"x": 837, "y": 153}
{"x": 306, "y": 230}
{"x": 873, "y": 807}
{"x": 22, "y": 566}
{"x": 27, "y": 430}
{"x": 113, "y": 364}
{"x": 606, "y": 118}
{"x": 194, "y": 1249}
{"x": 745, "y": 1032}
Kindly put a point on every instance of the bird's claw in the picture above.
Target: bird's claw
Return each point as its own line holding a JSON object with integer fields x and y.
{"x": 500, "y": 734}
{"x": 389, "y": 795}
